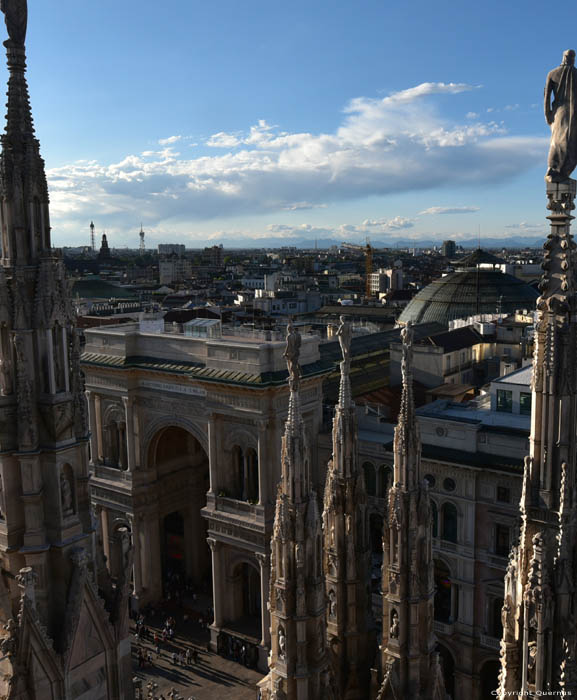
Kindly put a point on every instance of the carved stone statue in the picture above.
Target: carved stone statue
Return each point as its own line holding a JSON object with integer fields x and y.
{"x": 332, "y": 604}
{"x": 16, "y": 17}
{"x": 292, "y": 352}
{"x": 345, "y": 336}
{"x": 66, "y": 495}
{"x": 561, "y": 115}
{"x": 394, "y": 631}
{"x": 281, "y": 643}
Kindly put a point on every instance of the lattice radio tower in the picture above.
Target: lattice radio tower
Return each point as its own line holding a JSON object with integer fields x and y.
{"x": 92, "y": 237}
{"x": 141, "y": 234}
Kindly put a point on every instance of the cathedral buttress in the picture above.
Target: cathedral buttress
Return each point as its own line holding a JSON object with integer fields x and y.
{"x": 538, "y": 647}
{"x": 298, "y": 661}
{"x": 410, "y": 665}
{"x": 346, "y": 546}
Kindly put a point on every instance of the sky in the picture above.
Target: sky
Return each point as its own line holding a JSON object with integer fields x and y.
{"x": 246, "y": 123}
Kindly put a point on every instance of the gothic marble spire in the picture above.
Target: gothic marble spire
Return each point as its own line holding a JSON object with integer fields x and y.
{"x": 346, "y": 545}
{"x": 538, "y": 648}
{"x": 44, "y": 501}
{"x": 298, "y": 662}
{"x": 409, "y": 664}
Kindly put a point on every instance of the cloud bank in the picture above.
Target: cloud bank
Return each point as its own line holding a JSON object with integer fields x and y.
{"x": 400, "y": 143}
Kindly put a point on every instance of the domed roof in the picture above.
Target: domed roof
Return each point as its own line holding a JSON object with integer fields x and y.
{"x": 468, "y": 292}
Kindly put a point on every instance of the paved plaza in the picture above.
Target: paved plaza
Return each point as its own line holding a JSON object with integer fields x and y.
{"x": 212, "y": 677}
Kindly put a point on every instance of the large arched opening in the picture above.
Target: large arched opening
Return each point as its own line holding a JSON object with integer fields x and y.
{"x": 448, "y": 669}
{"x": 245, "y": 605}
{"x": 182, "y": 481}
{"x": 443, "y": 593}
{"x": 489, "y": 679}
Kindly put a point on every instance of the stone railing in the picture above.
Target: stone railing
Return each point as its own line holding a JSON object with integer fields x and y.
{"x": 490, "y": 642}
{"x": 244, "y": 509}
{"x": 101, "y": 471}
{"x": 443, "y": 628}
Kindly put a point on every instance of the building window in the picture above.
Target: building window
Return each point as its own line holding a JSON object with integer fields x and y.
{"x": 449, "y": 520}
{"x": 502, "y": 545}
{"x": 443, "y": 591}
{"x": 449, "y": 484}
{"x": 525, "y": 404}
{"x": 370, "y": 479}
{"x": 504, "y": 401}
{"x": 503, "y": 494}
{"x": 386, "y": 477}
{"x": 496, "y": 625}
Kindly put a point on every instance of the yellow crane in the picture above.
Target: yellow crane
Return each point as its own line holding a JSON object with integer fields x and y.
{"x": 368, "y": 252}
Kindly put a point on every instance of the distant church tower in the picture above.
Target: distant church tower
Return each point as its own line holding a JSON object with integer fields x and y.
{"x": 410, "y": 665}
{"x": 56, "y": 638}
{"x": 104, "y": 253}
{"x": 538, "y": 649}
{"x": 346, "y": 545}
{"x": 298, "y": 662}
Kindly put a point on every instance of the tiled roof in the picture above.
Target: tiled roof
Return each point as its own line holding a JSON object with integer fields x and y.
{"x": 473, "y": 459}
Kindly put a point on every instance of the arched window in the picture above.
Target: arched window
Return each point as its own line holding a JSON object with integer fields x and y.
{"x": 449, "y": 520}
{"x": 385, "y": 481}
{"x": 238, "y": 472}
{"x": 111, "y": 443}
{"x": 496, "y": 624}
{"x": 434, "y": 519}
{"x": 448, "y": 669}
{"x": 251, "y": 475}
{"x": 370, "y": 478}
{"x": 443, "y": 591}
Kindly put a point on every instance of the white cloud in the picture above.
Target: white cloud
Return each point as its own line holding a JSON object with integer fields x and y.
{"x": 524, "y": 226}
{"x": 449, "y": 210}
{"x": 400, "y": 143}
{"x": 472, "y": 115}
{"x": 383, "y": 225}
{"x": 170, "y": 140}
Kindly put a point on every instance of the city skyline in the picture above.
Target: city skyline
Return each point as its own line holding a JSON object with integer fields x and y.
{"x": 233, "y": 126}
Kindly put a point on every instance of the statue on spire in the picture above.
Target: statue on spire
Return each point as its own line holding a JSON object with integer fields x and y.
{"x": 345, "y": 336}
{"x": 292, "y": 352}
{"x": 16, "y": 18}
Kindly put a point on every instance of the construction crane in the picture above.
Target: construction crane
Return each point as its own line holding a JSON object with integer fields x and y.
{"x": 368, "y": 252}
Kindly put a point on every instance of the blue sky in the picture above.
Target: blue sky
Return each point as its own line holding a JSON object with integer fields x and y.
{"x": 236, "y": 122}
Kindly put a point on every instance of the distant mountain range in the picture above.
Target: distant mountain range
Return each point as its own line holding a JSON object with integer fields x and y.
{"x": 322, "y": 243}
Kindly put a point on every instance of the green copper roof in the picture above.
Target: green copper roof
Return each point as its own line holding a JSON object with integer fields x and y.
{"x": 201, "y": 372}
{"x": 469, "y": 292}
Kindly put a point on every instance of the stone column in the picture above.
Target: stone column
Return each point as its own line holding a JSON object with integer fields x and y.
{"x": 99, "y": 455}
{"x": 90, "y": 397}
{"x": 105, "y": 536}
{"x": 212, "y": 455}
{"x": 50, "y": 354}
{"x": 263, "y": 494}
{"x": 217, "y": 579}
{"x": 137, "y": 566}
{"x": 264, "y": 563}
{"x": 65, "y": 354}
{"x": 129, "y": 437}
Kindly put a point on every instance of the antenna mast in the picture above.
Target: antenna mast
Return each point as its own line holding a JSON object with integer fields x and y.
{"x": 141, "y": 234}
